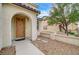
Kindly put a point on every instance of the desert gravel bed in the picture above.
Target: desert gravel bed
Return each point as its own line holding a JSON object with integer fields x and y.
{"x": 53, "y": 47}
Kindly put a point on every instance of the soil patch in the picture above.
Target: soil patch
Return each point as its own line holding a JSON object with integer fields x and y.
{"x": 54, "y": 47}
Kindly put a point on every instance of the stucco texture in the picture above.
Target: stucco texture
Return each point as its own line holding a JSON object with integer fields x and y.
{"x": 9, "y": 10}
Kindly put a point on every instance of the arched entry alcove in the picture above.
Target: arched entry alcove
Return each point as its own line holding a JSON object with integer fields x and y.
{"x": 21, "y": 27}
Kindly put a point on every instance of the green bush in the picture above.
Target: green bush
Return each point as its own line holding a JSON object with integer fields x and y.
{"x": 72, "y": 33}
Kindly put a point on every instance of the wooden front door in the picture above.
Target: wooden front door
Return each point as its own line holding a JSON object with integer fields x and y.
{"x": 20, "y": 28}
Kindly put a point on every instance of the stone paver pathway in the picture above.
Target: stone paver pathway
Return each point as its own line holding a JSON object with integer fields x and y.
{"x": 25, "y": 47}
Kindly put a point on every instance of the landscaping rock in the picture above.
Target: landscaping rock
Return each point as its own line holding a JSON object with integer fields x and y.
{"x": 8, "y": 51}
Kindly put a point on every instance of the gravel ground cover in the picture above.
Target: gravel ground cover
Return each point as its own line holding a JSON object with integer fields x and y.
{"x": 53, "y": 47}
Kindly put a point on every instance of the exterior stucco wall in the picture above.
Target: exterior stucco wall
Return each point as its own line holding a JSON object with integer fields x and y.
{"x": 13, "y": 29}
{"x": 0, "y": 26}
{"x": 40, "y": 27}
{"x": 50, "y": 28}
{"x": 54, "y": 28}
{"x": 9, "y": 11}
{"x": 28, "y": 28}
{"x": 72, "y": 27}
{"x": 34, "y": 28}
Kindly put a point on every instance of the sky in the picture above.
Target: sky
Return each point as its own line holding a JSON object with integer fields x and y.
{"x": 44, "y": 9}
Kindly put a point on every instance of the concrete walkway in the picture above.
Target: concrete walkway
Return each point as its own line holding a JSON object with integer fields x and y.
{"x": 25, "y": 47}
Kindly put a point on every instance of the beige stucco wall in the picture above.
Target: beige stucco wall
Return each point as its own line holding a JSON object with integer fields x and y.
{"x": 40, "y": 27}
{"x": 72, "y": 27}
{"x": 50, "y": 28}
{"x": 66, "y": 39}
{"x": 1, "y": 26}
{"x": 13, "y": 29}
{"x": 9, "y": 11}
{"x": 28, "y": 28}
{"x": 54, "y": 28}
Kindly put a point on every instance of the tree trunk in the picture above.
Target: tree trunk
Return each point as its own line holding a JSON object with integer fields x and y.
{"x": 66, "y": 29}
{"x": 60, "y": 29}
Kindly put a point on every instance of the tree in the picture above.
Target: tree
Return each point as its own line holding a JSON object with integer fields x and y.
{"x": 63, "y": 15}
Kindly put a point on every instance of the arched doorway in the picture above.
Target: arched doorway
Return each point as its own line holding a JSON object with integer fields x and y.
{"x": 21, "y": 27}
